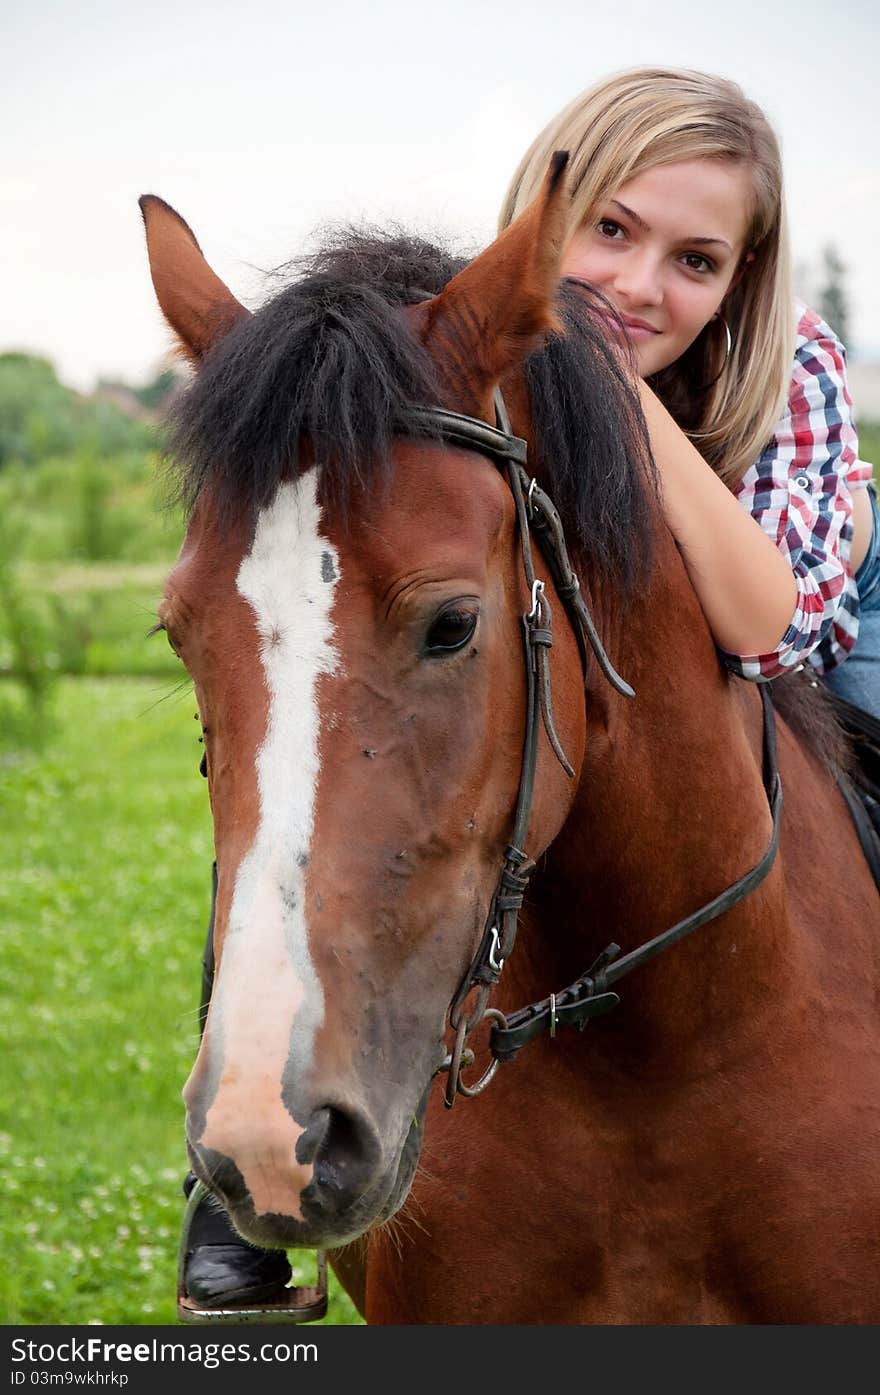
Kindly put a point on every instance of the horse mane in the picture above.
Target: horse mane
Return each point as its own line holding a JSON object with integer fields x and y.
{"x": 330, "y": 358}
{"x": 805, "y": 704}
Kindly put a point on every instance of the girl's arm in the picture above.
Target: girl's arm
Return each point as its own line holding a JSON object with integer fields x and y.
{"x": 743, "y": 582}
{"x": 797, "y": 498}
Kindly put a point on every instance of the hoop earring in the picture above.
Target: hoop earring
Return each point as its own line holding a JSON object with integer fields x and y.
{"x": 704, "y": 387}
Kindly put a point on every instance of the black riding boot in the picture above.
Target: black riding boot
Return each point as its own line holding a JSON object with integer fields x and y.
{"x": 220, "y": 1266}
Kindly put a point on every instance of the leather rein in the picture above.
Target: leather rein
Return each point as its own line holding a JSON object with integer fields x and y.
{"x": 590, "y": 995}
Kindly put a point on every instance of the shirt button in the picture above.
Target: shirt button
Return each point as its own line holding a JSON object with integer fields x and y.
{"x": 802, "y": 481}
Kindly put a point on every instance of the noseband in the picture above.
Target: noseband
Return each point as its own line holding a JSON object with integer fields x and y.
{"x": 590, "y": 995}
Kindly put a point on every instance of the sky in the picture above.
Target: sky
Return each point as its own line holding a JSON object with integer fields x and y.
{"x": 260, "y": 122}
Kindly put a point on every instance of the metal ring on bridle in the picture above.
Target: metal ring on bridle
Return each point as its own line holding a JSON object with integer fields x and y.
{"x": 469, "y": 1091}
{"x": 454, "y": 1066}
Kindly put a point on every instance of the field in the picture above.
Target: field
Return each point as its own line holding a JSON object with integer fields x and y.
{"x": 104, "y": 899}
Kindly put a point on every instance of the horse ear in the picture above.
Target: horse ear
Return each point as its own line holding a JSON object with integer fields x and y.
{"x": 195, "y": 302}
{"x": 499, "y": 307}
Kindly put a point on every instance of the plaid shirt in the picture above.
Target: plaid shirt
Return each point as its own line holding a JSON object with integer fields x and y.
{"x": 800, "y": 491}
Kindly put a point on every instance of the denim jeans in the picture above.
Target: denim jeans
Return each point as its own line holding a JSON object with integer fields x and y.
{"x": 858, "y": 678}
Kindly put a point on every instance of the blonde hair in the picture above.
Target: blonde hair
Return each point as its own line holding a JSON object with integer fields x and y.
{"x": 633, "y": 122}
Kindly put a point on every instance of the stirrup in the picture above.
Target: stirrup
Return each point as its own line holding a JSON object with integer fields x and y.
{"x": 288, "y": 1305}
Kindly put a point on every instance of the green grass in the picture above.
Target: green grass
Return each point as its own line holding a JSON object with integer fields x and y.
{"x": 104, "y": 899}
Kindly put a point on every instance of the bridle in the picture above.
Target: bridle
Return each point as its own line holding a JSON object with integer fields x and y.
{"x": 590, "y": 995}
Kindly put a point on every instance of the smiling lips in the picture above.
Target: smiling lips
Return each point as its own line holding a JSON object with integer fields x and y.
{"x": 638, "y": 329}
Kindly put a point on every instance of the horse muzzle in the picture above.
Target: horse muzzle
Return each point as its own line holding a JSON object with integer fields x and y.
{"x": 325, "y": 1190}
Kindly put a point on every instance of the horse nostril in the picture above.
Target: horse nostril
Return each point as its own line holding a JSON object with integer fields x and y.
{"x": 344, "y": 1150}
{"x": 342, "y": 1153}
{"x": 312, "y": 1136}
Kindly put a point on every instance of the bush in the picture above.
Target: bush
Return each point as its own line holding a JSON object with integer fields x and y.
{"x": 90, "y": 508}
{"x": 92, "y": 533}
{"x": 28, "y": 635}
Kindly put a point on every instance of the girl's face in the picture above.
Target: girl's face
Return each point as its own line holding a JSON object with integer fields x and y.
{"x": 664, "y": 250}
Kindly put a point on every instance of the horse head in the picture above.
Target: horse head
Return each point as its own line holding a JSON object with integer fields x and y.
{"x": 348, "y": 602}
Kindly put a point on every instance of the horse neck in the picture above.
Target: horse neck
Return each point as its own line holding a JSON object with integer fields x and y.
{"x": 670, "y": 811}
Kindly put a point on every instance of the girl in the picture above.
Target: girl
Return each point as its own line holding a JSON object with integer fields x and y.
{"x": 677, "y": 217}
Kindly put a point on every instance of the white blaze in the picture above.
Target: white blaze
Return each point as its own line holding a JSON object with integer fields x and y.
{"x": 268, "y": 1000}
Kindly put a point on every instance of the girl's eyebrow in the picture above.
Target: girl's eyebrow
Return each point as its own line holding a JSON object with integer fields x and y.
{"x": 697, "y": 241}
{"x": 631, "y": 213}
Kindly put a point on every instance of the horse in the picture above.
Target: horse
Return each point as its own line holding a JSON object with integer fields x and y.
{"x": 425, "y": 737}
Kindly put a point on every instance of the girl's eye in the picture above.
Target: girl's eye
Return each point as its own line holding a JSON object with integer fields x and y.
{"x": 608, "y": 228}
{"x": 695, "y": 261}
{"x": 451, "y": 630}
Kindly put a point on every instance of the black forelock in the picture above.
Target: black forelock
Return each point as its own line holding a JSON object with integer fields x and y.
{"x": 591, "y": 436}
{"x": 330, "y": 360}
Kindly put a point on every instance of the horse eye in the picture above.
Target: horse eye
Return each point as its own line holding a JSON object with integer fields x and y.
{"x": 451, "y": 631}
{"x": 172, "y": 644}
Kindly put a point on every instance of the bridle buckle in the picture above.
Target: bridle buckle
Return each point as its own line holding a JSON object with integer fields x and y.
{"x": 537, "y": 593}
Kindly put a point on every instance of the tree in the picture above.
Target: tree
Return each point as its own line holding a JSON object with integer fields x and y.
{"x": 41, "y": 418}
{"x": 833, "y": 304}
